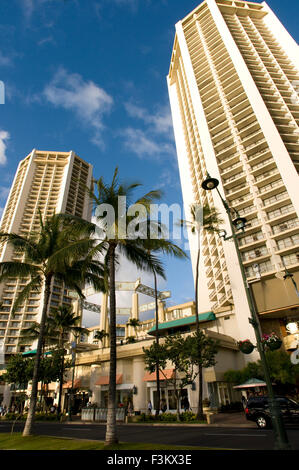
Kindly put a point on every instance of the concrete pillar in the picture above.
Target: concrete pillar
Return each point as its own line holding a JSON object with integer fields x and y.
{"x": 161, "y": 311}
{"x": 139, "y": 400}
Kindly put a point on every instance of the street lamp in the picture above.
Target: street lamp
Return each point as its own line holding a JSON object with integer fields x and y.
{"x": 281, "y": 439}
{"x": 71, "y": 394}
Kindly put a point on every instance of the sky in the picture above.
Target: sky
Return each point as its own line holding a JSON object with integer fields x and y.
{"x": 90, "y": 76}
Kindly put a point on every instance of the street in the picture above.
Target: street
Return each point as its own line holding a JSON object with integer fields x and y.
{"x": 204, "y": 436}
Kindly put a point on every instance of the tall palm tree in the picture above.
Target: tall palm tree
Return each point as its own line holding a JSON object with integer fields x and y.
{"x": 115, "y": 239}
{"x": 56, "y": 251}
{"x": 32, "y": 334}
{"x": 165, "y": 247}
{"x": 204, "y": 218}
{"x": 64, "y": 321}
{"x": 100, "y": 335}
{"x": 134, "y": 323}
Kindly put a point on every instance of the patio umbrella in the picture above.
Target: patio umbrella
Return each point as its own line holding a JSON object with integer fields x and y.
{"x": 251, "y": 383}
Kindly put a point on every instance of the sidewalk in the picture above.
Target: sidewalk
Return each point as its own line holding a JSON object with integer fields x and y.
{"x": 218, "y": 420}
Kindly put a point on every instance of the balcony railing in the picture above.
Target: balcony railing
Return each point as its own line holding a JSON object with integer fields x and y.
{"x": 289, "y": 224}
{"x": 276, "y": 198}
{"x": 266, "y": 175}
{"x": 281, "y": 211}
{"x": 268, "y": 187}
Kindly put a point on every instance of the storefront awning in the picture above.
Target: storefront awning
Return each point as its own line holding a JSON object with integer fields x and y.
{"x": 33, "y": 353}
{"x": 105, "y": 380}
{"x": 68, "y": 384}
{"x": 181, "y": 322}
{"x": 151, "y": 376}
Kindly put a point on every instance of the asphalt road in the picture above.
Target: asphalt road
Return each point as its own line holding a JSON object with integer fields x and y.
{"x": 205, "y": 436}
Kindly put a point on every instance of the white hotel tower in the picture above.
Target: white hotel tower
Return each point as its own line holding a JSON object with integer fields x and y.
{"x": 45, "y": 182}
{"x": 233, "y": 85}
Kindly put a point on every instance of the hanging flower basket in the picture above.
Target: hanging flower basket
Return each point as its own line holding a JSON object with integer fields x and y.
{"x": 246, "y": 347}
{"x": 271, "y": 341}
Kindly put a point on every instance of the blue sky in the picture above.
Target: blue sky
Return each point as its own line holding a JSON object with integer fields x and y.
{"x": 90, "y": 76}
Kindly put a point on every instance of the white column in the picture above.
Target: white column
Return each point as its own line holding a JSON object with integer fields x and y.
{"x": 139, "y": 400}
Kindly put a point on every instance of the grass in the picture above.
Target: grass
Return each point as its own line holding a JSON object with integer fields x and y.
{"x": 17, "y": 442}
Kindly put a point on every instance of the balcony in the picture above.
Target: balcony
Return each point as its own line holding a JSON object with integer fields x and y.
{"x": 275, "y": 199}
{"x": 281, "y": 212}
{"x": 263, "y": 269}
{"x": 251, "y": 239}
{"x": 238, "y": 176}
{"x": 255, "y": 254}
{"x": 271, "y": 188}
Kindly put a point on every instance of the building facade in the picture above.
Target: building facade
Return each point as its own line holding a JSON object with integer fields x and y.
{"x": 45, "y": 183}
{"x": 233, "y": 83}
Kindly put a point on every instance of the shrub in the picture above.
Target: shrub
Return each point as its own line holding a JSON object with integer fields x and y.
{"x": 168, "y": 417}
{"x": 188, "y": 417}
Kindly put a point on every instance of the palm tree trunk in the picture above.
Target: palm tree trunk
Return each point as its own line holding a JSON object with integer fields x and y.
{"x": 30, "y": 417}
{"x": 157, "y": 405}
{"x": 111, "y": 431}
{"x": 61, "y": 376}
{"x": 199, "y": 414}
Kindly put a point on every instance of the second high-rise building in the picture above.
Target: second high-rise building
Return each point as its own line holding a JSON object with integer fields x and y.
{"x": 45, "y": 183}
{"x": 233, "y": 84}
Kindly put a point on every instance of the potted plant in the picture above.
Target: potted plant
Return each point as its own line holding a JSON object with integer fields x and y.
{"x": 271, "y": 341}
{"x": 246, "y": 346}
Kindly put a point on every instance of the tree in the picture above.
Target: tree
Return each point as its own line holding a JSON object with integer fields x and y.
{"x": 166, "y": 247}
{"x": 134, "y": 322}
{"x": 119, "y": 232}
{"x": 179, "y": 352}
{"x": 281, "y": 370}
{"x": 57, "y": 250}
{"x": 203, "y": 219}
{"x": 182, "y": 352}
{"x": 20, "y": 369}
{"x": 63, "y": 321}
{"x": 100, "y": 335}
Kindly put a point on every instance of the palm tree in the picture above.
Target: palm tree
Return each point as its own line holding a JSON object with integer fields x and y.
{"x": 115, "y": 237}
{"x": 208, "y": 219}
{"x": 100, "y": 335}
{"x": 32, "y": 334}
{"x": 64, "y": 321}
{"x": 165, "y": 247}
{"x": 134, "y": 322}
{"x": 56, "y": 251}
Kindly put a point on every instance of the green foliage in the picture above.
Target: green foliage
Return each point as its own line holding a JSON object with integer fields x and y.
{"x": 202, "y": 349}
{"x": 188, "y": 417}
{"x": 38, "y": 417}
{"x": 168, "y": 417}
{"x": 280, "y": 366}
{"x": 131, "y": 339}
{"x": 155, "y": 354}
{"x": 19, "y": 369}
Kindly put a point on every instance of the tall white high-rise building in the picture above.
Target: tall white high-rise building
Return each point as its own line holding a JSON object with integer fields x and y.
{"x": 233, "y": 86}
{"x": 45, "y": 183}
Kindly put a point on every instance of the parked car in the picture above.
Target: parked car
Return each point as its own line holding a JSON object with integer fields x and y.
{"x": 257, "y": 409}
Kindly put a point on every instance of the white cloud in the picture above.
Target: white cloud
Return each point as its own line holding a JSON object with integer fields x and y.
{"x": 4, "y": 136}
{"x": 86, "y": 99}
{"x": 143, "y": 144}
{"x": 5, "y": 61}
{"x": 160, "y": 122}
{"x": 156, "y": 137}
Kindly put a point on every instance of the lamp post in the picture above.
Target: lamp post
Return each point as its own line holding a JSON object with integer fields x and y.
{"x": 281, "y": 439}
{"x": 73, "y": 345}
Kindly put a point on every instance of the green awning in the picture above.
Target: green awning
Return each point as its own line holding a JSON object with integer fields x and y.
{"x": 33, "y": 352}
{"x": 181, "y": 322}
